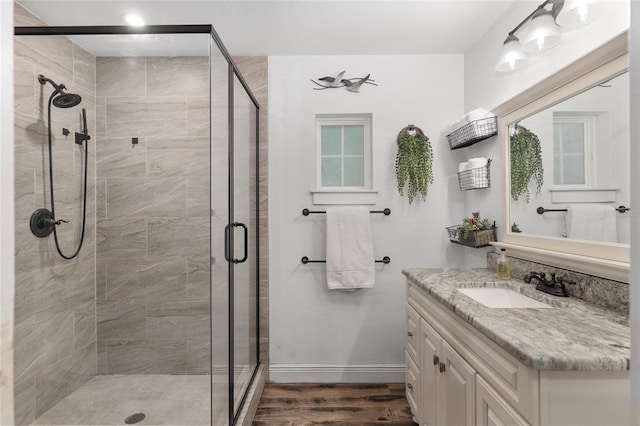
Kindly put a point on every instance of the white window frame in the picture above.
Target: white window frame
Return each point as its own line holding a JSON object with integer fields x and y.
{"x": 589, "y": 125}
{"x": 364, "y": 120}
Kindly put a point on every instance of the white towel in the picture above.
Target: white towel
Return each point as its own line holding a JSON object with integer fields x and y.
{"x": 591, "y": 222}
{"x": 350, "y": 261}
{"x": 479, "y": 176}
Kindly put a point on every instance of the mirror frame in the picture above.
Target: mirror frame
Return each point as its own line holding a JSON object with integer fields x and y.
{"x": 608, "y": 260}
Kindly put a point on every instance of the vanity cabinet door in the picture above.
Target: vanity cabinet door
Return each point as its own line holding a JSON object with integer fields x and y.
{"x": 492, "y": 410}
{"x": 459, "y": 388}
{"x": 430, "y": 344}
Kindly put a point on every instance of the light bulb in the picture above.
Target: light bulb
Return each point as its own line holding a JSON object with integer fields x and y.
{"x": 134, "y": 20}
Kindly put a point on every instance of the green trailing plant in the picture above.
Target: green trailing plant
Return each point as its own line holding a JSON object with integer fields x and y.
{"x": 470, "y": 224}
{"x": 414, "y": 163}
{"x": 526, "y": 163}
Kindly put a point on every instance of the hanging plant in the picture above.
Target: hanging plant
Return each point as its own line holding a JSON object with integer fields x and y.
{"x": 414, "y": 163}
{"x": 526, "y": 163}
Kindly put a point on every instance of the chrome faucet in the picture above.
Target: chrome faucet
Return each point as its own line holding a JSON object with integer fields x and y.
{"x": 554, "y": 286}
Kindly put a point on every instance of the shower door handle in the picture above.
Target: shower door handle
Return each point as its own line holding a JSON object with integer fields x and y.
{"x": 246, "y": 242}
{"x": 227, "y": 236}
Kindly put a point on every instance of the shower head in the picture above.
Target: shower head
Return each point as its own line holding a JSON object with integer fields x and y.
{"x": 62, "y": 100}
{"x": 67, "y": 100}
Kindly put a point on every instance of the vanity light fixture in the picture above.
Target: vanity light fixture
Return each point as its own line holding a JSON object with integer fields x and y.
{"x": 134, "y": 20}
{"x": 579, "y": 12}
{"x": 540, "y": 30}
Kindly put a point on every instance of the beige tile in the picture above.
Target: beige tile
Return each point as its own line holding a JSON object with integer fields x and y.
{"x": 63, "y": 377}
{"x": 84, "y": 325}
{"x": 119, "y": 157}
{"x": 51, "y": 56}
{"x": 198, "y": 356}
{"x": 147, "y": 357}
{"x": 84, "y": 68}
{"x": 121, "y": 320}
{"x": 167, "y": 162}
{"x": 174, "y": 237}
{"x": 101, "y": 280}
{"x": 24, "y": 187}
{"x": 118, "y": 76}
{"x": 198, "y": 117}
{"x": 23, "y": 18}
{"x": 198, "y": 279}
{"x": 147, "y": 279}
{"x": 178, "y": 76}
{"x": 101, "y": 198}
{"x": 25, "y": 81}
{"x": 178, "y": 320}
{"x": 129, "y": 117}
{"x": 24, "y": 392}
{"x": 121, "y": 237}
{"x": 102, "y": 357}
{"x": 198, "y": 190}
{"x": 101, "y": 118}
{"x": 176, "y": 142}
{"x": 142, "y": 197}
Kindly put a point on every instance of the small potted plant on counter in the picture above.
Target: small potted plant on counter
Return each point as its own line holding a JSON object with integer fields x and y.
{"x": 473, "y": 232}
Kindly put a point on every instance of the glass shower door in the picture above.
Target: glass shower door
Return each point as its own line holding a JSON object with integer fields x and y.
{"x": 245, "y": 264}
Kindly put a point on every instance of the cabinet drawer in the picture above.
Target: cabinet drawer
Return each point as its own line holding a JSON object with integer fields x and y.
{"x": 412, "y": 383}
{"x": 413, "y": 332}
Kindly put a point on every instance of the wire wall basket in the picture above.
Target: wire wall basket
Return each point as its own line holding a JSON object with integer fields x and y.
{"x": 473, "y": 132}
{"x": 476, "y": 178}
{"x": 476, "y": 239}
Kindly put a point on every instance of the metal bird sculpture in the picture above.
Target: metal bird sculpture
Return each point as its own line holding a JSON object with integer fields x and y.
{"x": 333, "y": 81}
{"x": 355, "y": 87}
{"x": 352, "y": 84}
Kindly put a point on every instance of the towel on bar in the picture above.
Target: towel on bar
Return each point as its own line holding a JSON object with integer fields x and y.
{"x": 592, "y": 222}
{"x": 350, "y": 259}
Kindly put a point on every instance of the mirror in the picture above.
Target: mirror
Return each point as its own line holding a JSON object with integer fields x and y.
{"x": 584, "y": 147}
{"x": 580, "y": 116}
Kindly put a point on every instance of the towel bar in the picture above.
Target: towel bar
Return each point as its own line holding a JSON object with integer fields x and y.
{"x": 307, "y": 212}
{"x": 541, "y": 210}
{"x": 306, "y": 260}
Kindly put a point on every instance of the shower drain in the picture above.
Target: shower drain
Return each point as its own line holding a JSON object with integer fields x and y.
{"x": 134, "y": 418}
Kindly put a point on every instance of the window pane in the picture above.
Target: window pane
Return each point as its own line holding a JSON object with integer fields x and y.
{"x": 331, "y": 171}
{"x": 354, "y": 171}
{"x": 331, "y": 140}
{"x": 557, "y": 138}
{"x": 573, "y": 138}
{"x": 573, "y": 170}
{"x": 557, "y": 170}
{"x": 354, "y": 140}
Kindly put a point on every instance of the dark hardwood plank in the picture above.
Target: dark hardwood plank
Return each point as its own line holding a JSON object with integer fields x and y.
{"x": 335, "y": 404}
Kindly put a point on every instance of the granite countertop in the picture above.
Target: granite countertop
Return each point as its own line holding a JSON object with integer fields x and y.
{"x": 571, "y": 335}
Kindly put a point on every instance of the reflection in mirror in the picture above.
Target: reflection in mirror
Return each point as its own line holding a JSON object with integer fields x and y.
{"x": 584, "y": 147}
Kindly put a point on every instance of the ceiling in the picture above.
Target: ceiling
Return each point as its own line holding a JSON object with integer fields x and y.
{"x": 301, "y": 27}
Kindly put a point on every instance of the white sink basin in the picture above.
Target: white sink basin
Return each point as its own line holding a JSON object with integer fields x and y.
{"x": 501, "y": 298}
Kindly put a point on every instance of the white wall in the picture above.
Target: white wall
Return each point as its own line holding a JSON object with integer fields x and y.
{"x": 321, "y": 335}
{"x": 486, "y": 88}
{"x": 6, "y": 213}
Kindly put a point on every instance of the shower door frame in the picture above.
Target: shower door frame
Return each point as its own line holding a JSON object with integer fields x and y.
{"x": 233, "y": 71}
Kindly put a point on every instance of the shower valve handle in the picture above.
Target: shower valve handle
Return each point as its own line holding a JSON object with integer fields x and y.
{"x": 51, "y": 222}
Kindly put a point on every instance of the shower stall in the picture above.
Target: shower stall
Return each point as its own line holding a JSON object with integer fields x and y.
{"x": 136, "y": 172}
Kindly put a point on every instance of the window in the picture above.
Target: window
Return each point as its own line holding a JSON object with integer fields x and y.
{"x": 343, "y": 145}
{"x": 573, "y": 138}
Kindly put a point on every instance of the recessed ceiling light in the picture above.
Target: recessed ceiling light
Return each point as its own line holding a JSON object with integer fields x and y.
{"x": 134, "y": 20}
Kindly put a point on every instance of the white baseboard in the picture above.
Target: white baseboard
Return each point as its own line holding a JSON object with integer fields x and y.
{"x": 317, "y": 373}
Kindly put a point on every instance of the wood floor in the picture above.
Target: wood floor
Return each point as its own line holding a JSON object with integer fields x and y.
{"x": 333, "y": 404}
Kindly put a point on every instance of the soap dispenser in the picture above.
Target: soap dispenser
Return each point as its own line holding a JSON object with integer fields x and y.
{"x": 504, "y": 269}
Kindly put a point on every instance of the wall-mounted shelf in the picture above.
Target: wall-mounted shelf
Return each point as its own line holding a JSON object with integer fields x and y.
{"x": 473, "y": 132}
{"x": 476, "y": 178}
{"x": 475, "y": 239}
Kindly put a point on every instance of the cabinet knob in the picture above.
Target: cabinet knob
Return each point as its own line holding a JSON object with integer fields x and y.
{"x": 442, "y": 367}
{"x": 436, "y": 360}
{"x": 410, "y": 334}
{"x": 410, "y": 386}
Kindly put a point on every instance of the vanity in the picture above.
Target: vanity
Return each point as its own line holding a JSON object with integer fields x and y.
{"x": 564, "y": 363}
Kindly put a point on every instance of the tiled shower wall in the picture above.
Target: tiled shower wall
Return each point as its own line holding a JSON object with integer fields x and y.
{"x": 153, "y": 215}
{"x": 55, "y": 326}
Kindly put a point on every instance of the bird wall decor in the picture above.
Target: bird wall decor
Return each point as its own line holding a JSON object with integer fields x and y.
{"x": 337, "y": 81}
